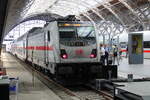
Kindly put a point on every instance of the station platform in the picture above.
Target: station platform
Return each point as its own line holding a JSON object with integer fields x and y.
{"x": 138, "y": 70}
{"x": 38, "y": 91}
{"x": 27, "y": 90}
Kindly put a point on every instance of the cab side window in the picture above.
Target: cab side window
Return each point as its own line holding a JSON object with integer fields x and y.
{"x": 48, "y": 35}
{"x": 146, "y": 44}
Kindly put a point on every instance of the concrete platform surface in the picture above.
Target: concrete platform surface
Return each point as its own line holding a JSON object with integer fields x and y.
{"x": 27, "y": 90}
{"x": 138, "y": 88}
{"x": 138, "y": 70}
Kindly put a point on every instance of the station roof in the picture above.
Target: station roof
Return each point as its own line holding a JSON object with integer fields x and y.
{"x": 128, "y": 13}
{"x": 3, "y": 6}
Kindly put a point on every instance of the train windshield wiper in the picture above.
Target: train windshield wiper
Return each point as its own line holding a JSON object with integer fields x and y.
{"x": 89, "y": 33}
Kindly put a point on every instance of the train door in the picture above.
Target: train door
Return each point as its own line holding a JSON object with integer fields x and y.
{"x": 47, "y": 46}
{"x": 46, "y": 51}
{"x": 26, "y": 48}
{"x": 24, "y": 52}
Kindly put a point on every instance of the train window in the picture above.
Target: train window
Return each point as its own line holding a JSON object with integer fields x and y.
{"x": 146, "y": 44}
{"x": 48, "y": 35}
{"x": 123, "y": 44}
{"x": 67, "y": 34}
{"x": 77, "y": 36}
{"x": 86, "y": 32}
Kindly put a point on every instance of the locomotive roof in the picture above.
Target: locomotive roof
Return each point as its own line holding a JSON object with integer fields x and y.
{"x": 21, "y": 37}
{"x": 35, "y": 30}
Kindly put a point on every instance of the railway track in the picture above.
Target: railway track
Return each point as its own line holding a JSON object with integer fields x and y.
{"x": 65, "y": 93}
{"x": 85, "y": 93}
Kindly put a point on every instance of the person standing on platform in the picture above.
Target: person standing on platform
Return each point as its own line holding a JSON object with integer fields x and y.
{"x": 115, "y": 55}
{"x": 102, "y": 53}
{"x": 127, "y": 51}
{"x": 120, "y": 54}
{"x": 106, "y": 53}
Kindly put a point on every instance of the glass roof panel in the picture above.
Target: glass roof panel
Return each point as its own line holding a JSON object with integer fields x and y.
{"x": 66, "y": 8}
{"x": 90, "y": 2}
{"x": 39, "y": 6}
{"x": 62, "y": 7}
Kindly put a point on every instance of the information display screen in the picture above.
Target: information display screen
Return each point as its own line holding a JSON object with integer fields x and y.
{"x": 137, "y": 44}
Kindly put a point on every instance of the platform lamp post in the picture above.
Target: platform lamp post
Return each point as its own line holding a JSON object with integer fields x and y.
{"x": 109, "y": 42}
{"x": 0, "y": 49}
{"x": 103, "y": 38}
{"x": 118, "y": 39}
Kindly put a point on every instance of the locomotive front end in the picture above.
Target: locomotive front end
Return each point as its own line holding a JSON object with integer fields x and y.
{"x": 77, "y": 43}
{"x": 79, "y": 56}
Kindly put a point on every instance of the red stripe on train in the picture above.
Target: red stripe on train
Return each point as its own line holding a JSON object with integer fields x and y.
{"x": 38, "y": 48}
{"x": 145, "y": 51}
{"x": 43, "y": 48}
{"x": 123, "y": 50}
{"x": 30, "y": 48}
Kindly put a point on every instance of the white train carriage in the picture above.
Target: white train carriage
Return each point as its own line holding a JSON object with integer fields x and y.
{"x": 13, "y": 48}
{"x": 63, "y": 49}
{"x": 19, "y": 47}
{"x": 146, "y": 44}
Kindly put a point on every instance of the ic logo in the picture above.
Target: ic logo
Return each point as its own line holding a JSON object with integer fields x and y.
{"x": 79, "y": 52}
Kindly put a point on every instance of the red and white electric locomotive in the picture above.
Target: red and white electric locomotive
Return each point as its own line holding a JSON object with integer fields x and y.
{"x": 65, "y": 49}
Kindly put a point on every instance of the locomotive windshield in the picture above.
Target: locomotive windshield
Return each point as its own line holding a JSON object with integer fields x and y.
{"x": 83, "y": 34}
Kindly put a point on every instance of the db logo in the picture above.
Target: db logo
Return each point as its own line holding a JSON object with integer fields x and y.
{"x": 79, "y": 52}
